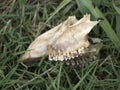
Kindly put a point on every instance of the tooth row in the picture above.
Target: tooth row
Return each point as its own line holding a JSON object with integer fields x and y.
{"x": 67, "y": 56}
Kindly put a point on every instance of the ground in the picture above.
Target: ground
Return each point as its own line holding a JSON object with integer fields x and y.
{"x": 21, "y": 21}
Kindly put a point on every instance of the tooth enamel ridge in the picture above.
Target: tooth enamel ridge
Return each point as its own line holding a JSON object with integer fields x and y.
{"x": 67, "y": 56}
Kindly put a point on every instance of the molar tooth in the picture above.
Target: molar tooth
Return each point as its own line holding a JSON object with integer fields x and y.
{"x": 69, "y": 58}
{"x": 65, "y": 58}
{"x": 77, "y": 55}
{"x": 72, "y": 57}
{"x": 59, "y": 52}
{"x": 79, "y": 51}
{"x": 67, "y": 55}
{"x": 64, "y": 54}
{"x": 82, "y": 51}
{"x": 82, "y": 48}
{"x": 56, "y": 58}
{"x": 61, "y": 58}
{"x": 75, "y": 52}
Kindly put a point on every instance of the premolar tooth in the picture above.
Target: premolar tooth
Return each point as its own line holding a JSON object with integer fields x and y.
{"x": 50, "y": 58}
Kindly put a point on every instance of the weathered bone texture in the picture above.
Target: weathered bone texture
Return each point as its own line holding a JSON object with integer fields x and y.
{"x": 65, "y": 41}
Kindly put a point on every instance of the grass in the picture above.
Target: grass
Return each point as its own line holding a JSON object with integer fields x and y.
{"x": 21, "y": 21}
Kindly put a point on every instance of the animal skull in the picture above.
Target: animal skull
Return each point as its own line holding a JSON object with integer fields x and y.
{"x": 63, "y": 42}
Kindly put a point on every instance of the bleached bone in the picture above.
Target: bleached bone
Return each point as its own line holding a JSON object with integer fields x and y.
{"x": 58, "y": 42}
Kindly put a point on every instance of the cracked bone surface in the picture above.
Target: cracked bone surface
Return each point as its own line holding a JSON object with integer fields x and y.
{"x": 63, "y": 41}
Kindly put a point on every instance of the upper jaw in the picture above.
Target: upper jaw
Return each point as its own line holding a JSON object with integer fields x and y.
{"x": 38, "y": 47}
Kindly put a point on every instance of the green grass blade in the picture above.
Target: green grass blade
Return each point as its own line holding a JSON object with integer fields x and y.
{"x": 62, "y": 5}
{"x": 59, "y": 76}
{"x": 116, "y": 8}
{"x": 87, "y": 73}
{"x": 8, "y": 76}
